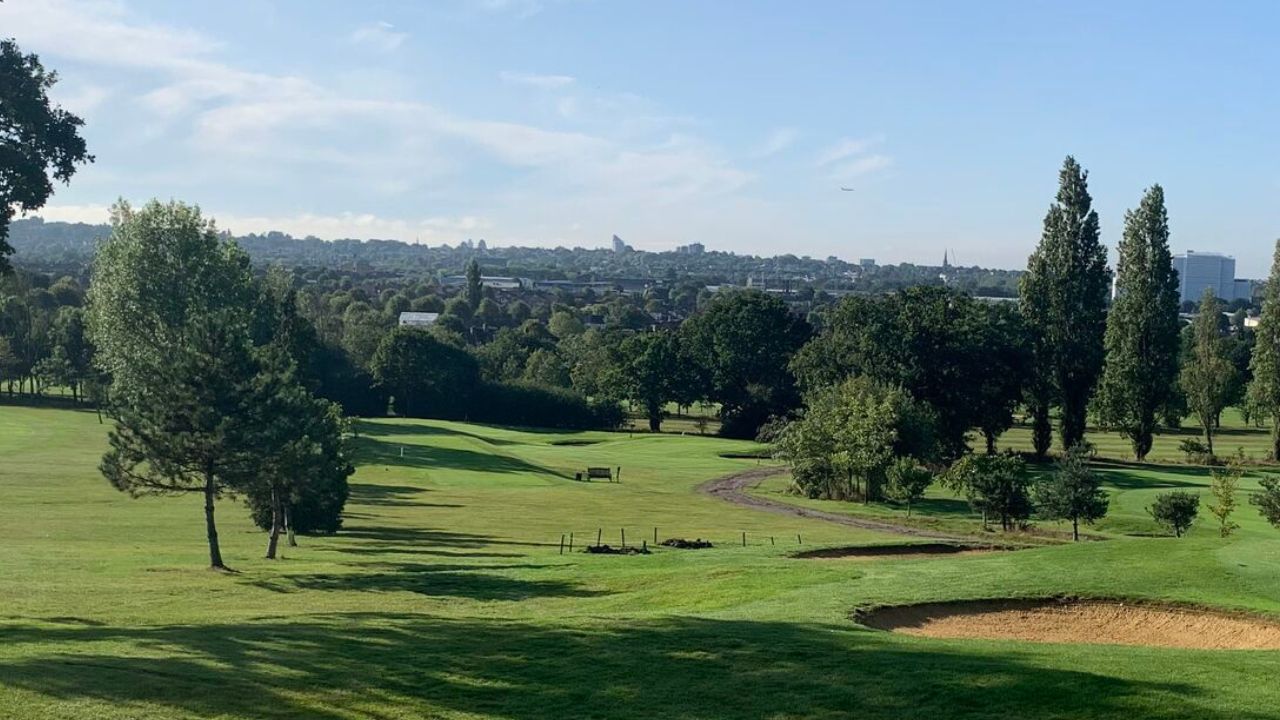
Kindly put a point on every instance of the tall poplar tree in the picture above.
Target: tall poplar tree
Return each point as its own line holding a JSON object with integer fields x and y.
{"x": 1064, "y": 299}
{"x": 475, "y": 286}
{"x": 1264, "y": 389}
{"x": 1142, "y": 340}
{"x": 1208, "y": 375}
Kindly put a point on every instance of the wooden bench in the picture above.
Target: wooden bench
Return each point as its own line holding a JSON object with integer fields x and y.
{"x": 599, "y": 472}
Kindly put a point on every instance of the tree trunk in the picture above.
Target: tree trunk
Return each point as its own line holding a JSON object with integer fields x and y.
{"x": 288, "y": 524}
{"x": 1072, "y": 426}
{"x": 1208, "y": 436}
{"x": 1075, "y": 529}
{"x": 211, "y": 529}
{"x": 274, "y": 539}
{"x": 991, "y": 443}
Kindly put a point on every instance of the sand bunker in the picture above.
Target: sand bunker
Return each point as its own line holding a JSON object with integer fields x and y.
{"x": 907, "y": 549}
{"x": 1104, "y": 622}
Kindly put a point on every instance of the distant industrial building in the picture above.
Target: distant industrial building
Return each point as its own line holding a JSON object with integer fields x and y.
{"x": 867, "y": 262}
{"x": 619, "y": 246}
{"x": 691, "y": 249}
{"x": 1198, "y": 270}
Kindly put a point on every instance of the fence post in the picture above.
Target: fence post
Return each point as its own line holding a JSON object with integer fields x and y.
{"x": 771, "y": 542}
{"x": 561, "y": 543}
{"x": 624, "y": 537}
{"x": 655, "y": 536}
{"x": 600, "y": 530}
{"x": 570, "y": 542}
{"x": 798, "y": 539}
{"x": 744, "y": 539}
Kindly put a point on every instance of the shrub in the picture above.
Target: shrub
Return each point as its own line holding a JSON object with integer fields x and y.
{"x": 1195, "y": 451}
{"x": 1175, "y": 511}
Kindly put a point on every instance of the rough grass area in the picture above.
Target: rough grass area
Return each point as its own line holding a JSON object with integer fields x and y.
{"x": 446, "y": 596}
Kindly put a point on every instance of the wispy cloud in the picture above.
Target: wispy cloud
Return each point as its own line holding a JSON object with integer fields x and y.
{"x": 534, "y": 80}
{"x": 778, "y": 140}
{"x": 380, "y": 36}
{"x": 860, "y": 167}
{"x": 852, "y": 158}
{"x": 846, "y": 148}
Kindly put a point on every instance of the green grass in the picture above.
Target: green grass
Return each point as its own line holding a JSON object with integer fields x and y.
{"x": 1234, "y": 435}
{"x": 446, "y": 596}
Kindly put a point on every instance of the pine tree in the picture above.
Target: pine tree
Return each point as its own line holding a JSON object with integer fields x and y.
{"x": 1064, "y": 298}
{"x": 1141, "y": 340}
{"x": 1073, "y": 492}
{"x": 1264, "y": 389}
{"x": 168, "y": 311}
{"x": 301, "y": 478}
{"x": 1208, "y": 375}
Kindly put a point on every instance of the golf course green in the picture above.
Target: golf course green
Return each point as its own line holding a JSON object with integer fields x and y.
{"x": 448, "y": 593}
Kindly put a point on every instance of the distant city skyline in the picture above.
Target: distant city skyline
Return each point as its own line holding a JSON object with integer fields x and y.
{"x": 731, "y": 125}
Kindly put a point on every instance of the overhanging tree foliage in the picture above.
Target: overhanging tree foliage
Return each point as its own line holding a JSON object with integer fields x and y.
{"x": 39, "y": 142}
{"x": 1142, "y": 341}
{"x": 1064, "y": 300}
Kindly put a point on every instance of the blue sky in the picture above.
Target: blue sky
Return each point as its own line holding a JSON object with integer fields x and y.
{"x": 562, "y": 122}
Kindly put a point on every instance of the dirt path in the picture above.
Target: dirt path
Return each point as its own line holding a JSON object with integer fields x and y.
{"x": 733, "y": 488}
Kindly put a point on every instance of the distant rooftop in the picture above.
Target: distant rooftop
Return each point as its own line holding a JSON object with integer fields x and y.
{"x": 419, "y": 319}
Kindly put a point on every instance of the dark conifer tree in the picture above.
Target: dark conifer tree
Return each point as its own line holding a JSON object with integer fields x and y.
{"x": 1142, "y": 341}
{"x": 1064, "y": 299}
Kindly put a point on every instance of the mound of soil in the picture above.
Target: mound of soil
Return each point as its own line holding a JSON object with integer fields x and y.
{"x": 610, "y": 550}
{"x": 681, "y": 543}
{"x": 907, "y": 549}
{"x": 1066, "y": 620}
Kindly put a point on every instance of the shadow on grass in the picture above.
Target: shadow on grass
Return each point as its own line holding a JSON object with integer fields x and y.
{"x": 392, "y": 428}
{"x": 384, "y": 665}
{"x": 473, "y": 582}
{"x": 1125, "y": 480}
{"x": 363, "y": 493}
{"x": 369, "y": 451}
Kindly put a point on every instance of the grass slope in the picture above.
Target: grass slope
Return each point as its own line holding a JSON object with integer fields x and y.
{"x": 446, "y": 597}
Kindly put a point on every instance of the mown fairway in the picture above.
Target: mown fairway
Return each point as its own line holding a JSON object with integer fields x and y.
{"x": 446, "y": 596}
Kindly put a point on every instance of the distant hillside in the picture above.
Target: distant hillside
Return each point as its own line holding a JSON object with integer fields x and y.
{"x": 67, "y": 248}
